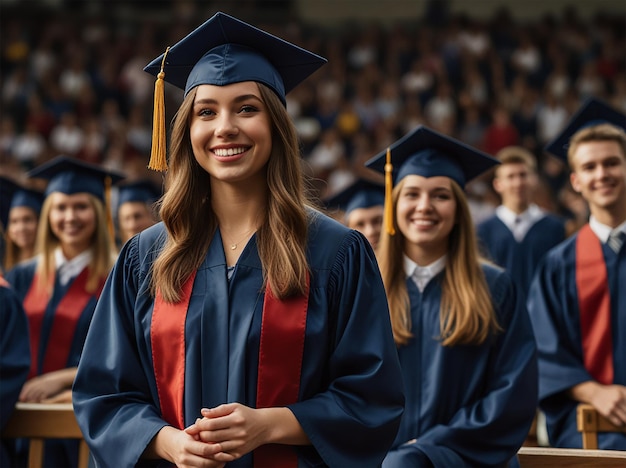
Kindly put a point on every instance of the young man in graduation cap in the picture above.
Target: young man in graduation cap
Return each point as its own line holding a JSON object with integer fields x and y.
{"x": 362, "y": 204}
{"x": 577, "y": 300}
{"x": 519, "y": 234}
{"x": 19, "y": 213}
{"x": 135, "y": 208}
{"x": 465, "y": 342}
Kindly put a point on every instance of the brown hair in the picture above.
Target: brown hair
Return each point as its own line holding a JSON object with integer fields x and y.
{"x": 467, "y": 315}
{"x": 282, "y": 236}
{"x": 600, "y": 132}
{"x": 516, "y": 155}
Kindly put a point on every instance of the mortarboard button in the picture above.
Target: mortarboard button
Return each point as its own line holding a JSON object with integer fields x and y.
{"x": 592, "y": 112}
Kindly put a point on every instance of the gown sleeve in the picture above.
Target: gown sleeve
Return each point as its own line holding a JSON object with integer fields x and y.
{"x": 489, "y": 431}
{"x": 119, "y": 404}
{"x": 354, "y": 422}
{"x": 557, "y": 327}
{"x": 14, "y": 352}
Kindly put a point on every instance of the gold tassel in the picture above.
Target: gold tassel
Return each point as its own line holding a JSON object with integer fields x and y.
{"x": 158, "y": 158}
{"x": 388, "y": 214}
{"x": 107, "y": 208}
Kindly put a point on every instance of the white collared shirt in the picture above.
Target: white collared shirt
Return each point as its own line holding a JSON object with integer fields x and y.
{"x": 602, "y": 230}
{"x": 520, "y": 224}
{"x": 421, "y": 275}
{"x": 69, "y": 269}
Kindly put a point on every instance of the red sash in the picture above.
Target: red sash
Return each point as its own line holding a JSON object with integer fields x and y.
{"x": 66, "y": 317}
{"x": 595, "y": 306}
{"x": 280, "y": 360}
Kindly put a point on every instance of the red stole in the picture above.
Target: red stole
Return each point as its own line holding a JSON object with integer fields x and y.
{"x": 280, "y": 360}
{"x": 595, "y": 306}
{"x": 66, "y": 317}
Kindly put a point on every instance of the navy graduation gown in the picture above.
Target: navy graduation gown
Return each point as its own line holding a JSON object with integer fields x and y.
{"x": 555, "y": 314}
{"x": 350, "y": 399}
{"x": 21, "y": 278}
{"x": 466, "y": 404}
{"x": 14, "y": 358}
{"x": 519, "y": 259}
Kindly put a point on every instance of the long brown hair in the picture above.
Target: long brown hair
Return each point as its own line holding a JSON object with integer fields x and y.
{"x": 467, "y": 315}
{"x": 102, "y": 250}
{"x": 281, "y": 239}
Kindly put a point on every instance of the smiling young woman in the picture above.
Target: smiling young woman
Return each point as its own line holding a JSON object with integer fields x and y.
{"x": 464, "y": 338}
{"x": 266, "y": 353}
{"x": 60, "y": 286}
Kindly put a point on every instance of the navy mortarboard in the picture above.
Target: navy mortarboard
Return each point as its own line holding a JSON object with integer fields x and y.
{"x": 427, "y": 153}
{"x": 139, "y": 191}
{"x": 13, "y": 195}
{"x": 70, "y": 176}
{"x": 222, "y": 51}
{"x": 361, "y": 194}
{"x": 592, "y": 112}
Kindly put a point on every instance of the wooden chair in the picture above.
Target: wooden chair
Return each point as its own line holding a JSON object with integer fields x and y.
{"x": 37, "y": 422}
{"x": 544, "y": 457}
{"x": 590, "y": 422}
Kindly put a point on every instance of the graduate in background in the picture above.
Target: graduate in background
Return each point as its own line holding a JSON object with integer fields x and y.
{"x": 135, "y": 208}
{"x": 577, "y": 300}
{"x": 246, "y": 327}
{"x": 464, "y": 338}
{"x": 14, "y": 360}
{"x": 60, "y": 286}
{"x": 519, "y": 234}
{"x": 20, "y": 219}
{"x": 362, "y": 205}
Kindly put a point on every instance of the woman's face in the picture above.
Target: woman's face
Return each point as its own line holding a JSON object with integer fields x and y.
{"x": 230, "y": 131}
{"x": 22, "y": 227}
{"x": 73, "y": 221}
{"x": 426, "y": 214}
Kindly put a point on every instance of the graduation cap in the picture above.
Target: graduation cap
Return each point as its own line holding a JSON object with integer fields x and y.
{"x": 13, "y": 195}
{"x": 361, "y": 194}
{"x": 70, "y": 175}
{"x": 222, "y": 51}
{"x": 427, "y": 153}
{"x": 593, "y": 112}
{"x": 139, "y": 191}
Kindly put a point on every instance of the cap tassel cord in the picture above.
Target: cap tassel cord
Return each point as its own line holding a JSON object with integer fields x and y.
{"x": 388, "y": 214}
{"x": 158, "y": 160}
{"x": 107, "y": 207}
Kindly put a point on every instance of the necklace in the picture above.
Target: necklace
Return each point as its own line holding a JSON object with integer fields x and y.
{"x": 233, "y": 245}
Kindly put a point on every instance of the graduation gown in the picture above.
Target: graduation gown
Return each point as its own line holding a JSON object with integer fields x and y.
{"x": 520, "y": 258}
{"x": 555, "y": 314}
{"x": 21, "y": 278}
{"x": 14, "y": 358}
{"x": 350, "y": 395}
{"x": 466, "y": 405}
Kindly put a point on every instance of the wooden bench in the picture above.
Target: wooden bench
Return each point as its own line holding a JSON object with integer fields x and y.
{"x": 544, "y": 457}
{"x": 590, "y": 422}
{"x": 38, "y": 422}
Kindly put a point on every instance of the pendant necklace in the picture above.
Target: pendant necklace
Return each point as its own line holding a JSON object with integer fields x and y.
{"x": 233, "y": 245}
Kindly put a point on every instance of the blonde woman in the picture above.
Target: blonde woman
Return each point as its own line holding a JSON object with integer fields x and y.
{"x": 464, "y": 338}
{"x": 60, "y": 286}
{"x": 246, "y": 327}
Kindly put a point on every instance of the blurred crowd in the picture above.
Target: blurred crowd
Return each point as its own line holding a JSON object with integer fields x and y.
{"x": 73, "y": 84}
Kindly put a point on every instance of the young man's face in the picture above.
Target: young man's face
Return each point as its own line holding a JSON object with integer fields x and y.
{"x": 599, "y": 175}
{"x": 515, "y": 183}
